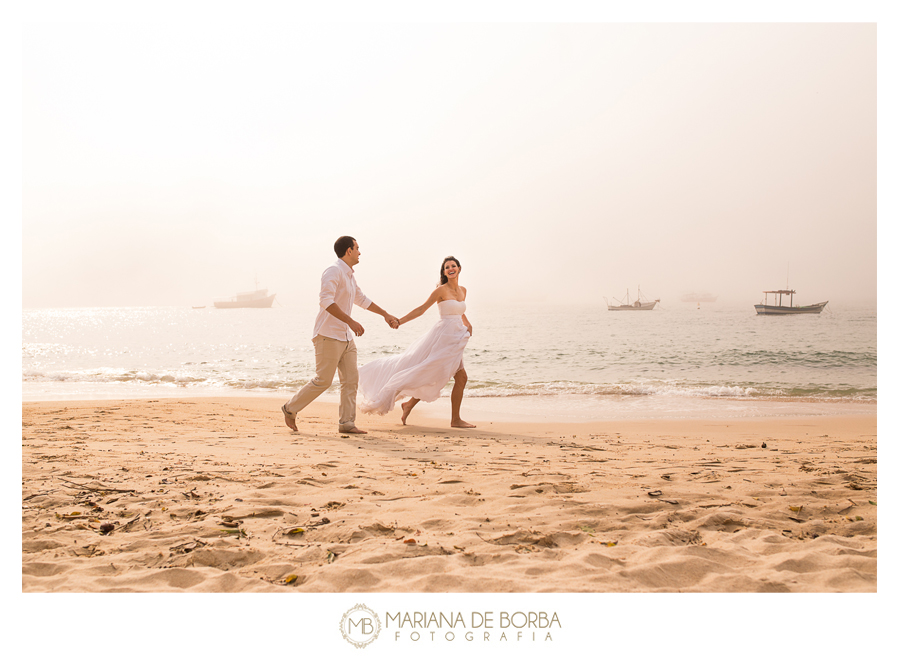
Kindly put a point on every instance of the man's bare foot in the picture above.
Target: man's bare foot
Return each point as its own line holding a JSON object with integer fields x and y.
{"x": 289, "y": 418}
{"x": 461, "y": 423}
{"x": 355, "y": 430}
{"x": 407, "y": 407}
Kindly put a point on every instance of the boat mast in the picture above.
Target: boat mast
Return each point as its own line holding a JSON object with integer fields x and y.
{"x": 787, "y": 282}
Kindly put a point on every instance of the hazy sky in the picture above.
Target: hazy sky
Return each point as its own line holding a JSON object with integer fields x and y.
{"x": 170, "y": 163}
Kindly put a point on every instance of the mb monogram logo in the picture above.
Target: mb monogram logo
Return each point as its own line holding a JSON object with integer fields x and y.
{"x": 360, "y": 626}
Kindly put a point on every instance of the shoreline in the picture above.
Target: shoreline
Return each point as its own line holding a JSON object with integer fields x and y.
{"x": 201, "y": 494}
{"x": 561, "y": 408}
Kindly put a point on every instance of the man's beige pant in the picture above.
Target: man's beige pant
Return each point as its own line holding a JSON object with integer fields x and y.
{"x": 331, "y": 355}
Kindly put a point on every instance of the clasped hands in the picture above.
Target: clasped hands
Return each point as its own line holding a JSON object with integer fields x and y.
{"x": 393, "y": 322}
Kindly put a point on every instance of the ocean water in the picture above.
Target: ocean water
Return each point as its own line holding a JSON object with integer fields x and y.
{"x": 580, "y": 362}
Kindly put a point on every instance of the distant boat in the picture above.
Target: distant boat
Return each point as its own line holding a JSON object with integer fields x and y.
{"x": 699, "y": 297}
{"x": 255, "y": 299}
{"x": 640, "y": 304}
{"x": 771, "y": 309}
{"x": 197, "y": 307}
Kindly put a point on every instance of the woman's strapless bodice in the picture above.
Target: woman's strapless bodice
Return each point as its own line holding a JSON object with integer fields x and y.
{"x": 451, "y": 307}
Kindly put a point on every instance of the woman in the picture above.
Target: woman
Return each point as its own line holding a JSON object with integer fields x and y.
{"x": 429, "y": 363}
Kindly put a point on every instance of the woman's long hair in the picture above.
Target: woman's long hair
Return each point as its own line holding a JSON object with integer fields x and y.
{"x": 444, "y": 278}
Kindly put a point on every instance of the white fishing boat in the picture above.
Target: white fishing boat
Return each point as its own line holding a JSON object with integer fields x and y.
{"x": 640, "y": 304}
{"x": 259, "y": 298}
{"x": 780, "y": 309}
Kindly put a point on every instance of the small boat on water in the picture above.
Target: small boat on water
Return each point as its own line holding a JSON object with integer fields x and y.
{"x": 197, "y": 307}
{"x": 640, "y": 304}
{"x": 772, "y": 309}
{"x": 254, "y": 299}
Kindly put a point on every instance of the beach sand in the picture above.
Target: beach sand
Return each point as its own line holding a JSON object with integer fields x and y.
{"x": 217, "y": 495}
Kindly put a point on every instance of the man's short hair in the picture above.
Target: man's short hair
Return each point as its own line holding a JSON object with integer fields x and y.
{"x": 342, "y": 244}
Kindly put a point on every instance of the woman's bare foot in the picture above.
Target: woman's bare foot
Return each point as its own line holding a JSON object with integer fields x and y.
{"x": 407, "y": 407}
{"x": 461, "y": 423}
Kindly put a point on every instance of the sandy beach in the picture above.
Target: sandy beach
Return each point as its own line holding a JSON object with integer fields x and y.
{"x": 217, "y": 495}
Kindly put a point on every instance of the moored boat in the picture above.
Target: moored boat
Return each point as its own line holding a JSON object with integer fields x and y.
{"x": 780, "y": 309}
{"x": 253, "y": 299}
{"x": 640, "y": 304}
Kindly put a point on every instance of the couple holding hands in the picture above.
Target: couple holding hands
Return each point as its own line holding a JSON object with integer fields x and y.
{"x": 420, "y": 372}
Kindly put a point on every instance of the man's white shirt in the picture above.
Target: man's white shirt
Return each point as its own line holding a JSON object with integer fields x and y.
{"x": 338, "y": 287}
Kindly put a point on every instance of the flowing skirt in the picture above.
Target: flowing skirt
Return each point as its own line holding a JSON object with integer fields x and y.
{"x": 421, "y": 371}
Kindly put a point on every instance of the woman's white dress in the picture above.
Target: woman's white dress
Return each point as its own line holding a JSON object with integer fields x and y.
{"x": 422, "y": 370}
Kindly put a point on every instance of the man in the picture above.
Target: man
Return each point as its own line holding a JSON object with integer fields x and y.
{"x": 333, "y": 338}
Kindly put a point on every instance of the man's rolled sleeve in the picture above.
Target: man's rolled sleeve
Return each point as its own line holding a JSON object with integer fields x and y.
{"x": 361, "y": 300}
{"x": 329, "y": 288}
